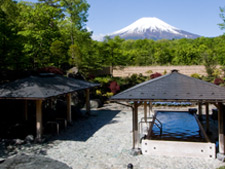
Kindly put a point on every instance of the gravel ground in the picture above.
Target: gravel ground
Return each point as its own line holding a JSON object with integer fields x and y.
{"x": 104, "y": 141}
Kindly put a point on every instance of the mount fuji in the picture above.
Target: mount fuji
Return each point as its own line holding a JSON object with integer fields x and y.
{"x": 152, "y": 28}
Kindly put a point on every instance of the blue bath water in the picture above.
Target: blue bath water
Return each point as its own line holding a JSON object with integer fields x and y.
{"x": 177, "y": 126}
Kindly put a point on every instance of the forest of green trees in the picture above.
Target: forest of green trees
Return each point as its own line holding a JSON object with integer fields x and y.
{"x": 53, "y": 33}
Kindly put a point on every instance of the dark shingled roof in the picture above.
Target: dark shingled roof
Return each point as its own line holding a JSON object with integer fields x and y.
{"x": 41, "y": 87}
{"x": 173, "y": 87}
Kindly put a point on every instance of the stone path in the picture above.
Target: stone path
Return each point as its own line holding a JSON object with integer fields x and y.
{"x": 104, "y": 141}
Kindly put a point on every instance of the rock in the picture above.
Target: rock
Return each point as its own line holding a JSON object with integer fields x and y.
{"x": 96, "y": 103}
{"x": 73, "y": 70}
{"x": 2, "y": 160}
{"x": 22, "y": 161}
{"x": 220, "y": 157}
{"x": 10, "y": 148}
{"x": 40, "y": 140}
{"x": 12, "y": 153}
{"x": 18, "y": 142}
{"x": 43, "y": 152}
{"x": 130, "y": 166}
{"x": 135, "y": 152}
{"x": 29, "y": 138}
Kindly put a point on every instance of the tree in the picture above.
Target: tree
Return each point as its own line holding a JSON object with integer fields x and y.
{"x": 10, "y": 48}
{"x": 162, "y": 54}
{"x": 112, "y": 52}
{"x": 46, "y": 33}
{"x": 75, "y": 56}
{"x": 91, "y": 58}
{"x": 222, "y": 16}
{"x": 219, "y": 49}
{"x": 76, "y": 12}
{"x": 58, "y": 51}
{"x": 144, "y": 52}
{"x": 209, "y": 63}
{"x": 53, "y": 3}
{"x": 73, "y": 32}
{"x": 38, "y": 28}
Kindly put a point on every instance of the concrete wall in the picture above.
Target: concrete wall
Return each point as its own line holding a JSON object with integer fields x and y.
{"x": 178, "y": 148}
{"x": 128, "y": 71}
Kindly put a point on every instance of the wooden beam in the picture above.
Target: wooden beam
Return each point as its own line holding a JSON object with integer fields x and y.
{"x": 68, "y": 100}
{"x": 39, "y": 119}
{"x": 135, "y": 126}
{"x": 207, "y": 116}
{"x": 221, "y": 126}
{"x": 217, "y": 105}
{"x": 88, "y": 101}
{"x": 139, "y": 104}
{"x": 145, "y": 111}
{"x": 201, "y": 128}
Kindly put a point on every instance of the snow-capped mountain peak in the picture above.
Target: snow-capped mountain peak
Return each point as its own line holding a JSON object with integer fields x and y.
{"x": 151, "y": 28}
{"x": 151, "y": 23}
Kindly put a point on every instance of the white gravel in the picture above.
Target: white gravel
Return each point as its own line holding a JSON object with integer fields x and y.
{"x": 104, "y": 141}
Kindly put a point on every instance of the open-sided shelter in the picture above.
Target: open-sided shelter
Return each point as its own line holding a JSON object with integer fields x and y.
{"x": 42, "y": 87}
{"x": 176, "y": 87}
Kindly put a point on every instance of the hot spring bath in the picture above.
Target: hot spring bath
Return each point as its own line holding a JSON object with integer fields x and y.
{"x": 181, "y": 135}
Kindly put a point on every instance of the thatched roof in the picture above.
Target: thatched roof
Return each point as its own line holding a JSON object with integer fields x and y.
{"x": 173, "y": 87}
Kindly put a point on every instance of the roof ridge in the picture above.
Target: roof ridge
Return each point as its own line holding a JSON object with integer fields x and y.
{"x": 37, "y": 87}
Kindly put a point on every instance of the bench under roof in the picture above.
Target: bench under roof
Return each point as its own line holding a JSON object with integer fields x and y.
{"x": 45, "y": 86}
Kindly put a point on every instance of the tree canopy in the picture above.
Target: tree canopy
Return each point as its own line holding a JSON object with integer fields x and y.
{"x": 53, "y": 33}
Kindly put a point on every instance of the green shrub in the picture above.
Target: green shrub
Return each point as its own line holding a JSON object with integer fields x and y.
{"x": 196, "y": 75}
{"x": 223, "y": 167}
{"x": 103, "y": 80}
{"x": 105, "y": 91}
{"x": 149, "y": 72}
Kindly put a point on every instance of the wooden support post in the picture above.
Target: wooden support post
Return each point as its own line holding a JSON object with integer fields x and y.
{"x": 88, "y": 101}
{"x": 51, "y": 103}
{"x": 135, "y": 126}
{"x": 38, "y": 119}
{"x": 145, "y": 111}
{"x": 200, "y": 110}
{"x": 207, "y": 116}
{"x": 25, "y": 110}
{"x": 68, "y": 100}
{"x": 221, "y": 126}
{"x": 150, "y": 108}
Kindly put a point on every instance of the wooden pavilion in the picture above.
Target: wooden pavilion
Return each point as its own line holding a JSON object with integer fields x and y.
{"x": 42, "y": 87}
{"x": 176, "y": 87}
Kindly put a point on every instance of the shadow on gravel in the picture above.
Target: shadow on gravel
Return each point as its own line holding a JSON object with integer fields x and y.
{"x": 84, "y": 128}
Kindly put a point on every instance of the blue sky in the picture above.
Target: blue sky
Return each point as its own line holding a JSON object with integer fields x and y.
{"x": 195, "y": 16}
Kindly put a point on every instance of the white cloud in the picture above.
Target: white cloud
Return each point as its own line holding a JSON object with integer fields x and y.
{"x": 98, "y": 37}
{"x": 89, "y": 29}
